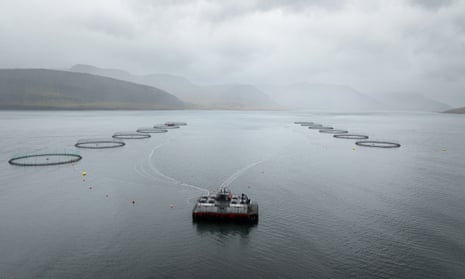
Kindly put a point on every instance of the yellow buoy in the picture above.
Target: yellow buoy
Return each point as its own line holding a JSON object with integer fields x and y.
{"x": 84, "y": 173}
{"x": 353, "y": 148}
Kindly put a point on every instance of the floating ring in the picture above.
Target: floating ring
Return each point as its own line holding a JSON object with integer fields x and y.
{"x": 351, "y": 136}
{"x": 151, "y": 130}
{"x": 177, "y": 123}
{"x": 320, "y": 127}
{"x": 163, "y": 126}
{"x": 129, "y": 135}
{"x": 17, "y": 160}
{"x": 333, "y": 131}
{"x": 99, "y": 143}
{"x": 379, "y": 144}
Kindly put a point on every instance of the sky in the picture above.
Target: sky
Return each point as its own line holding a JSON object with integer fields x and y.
{"x": 372, "y": 46}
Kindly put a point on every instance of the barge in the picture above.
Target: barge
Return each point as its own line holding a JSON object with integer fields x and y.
{"x": 225, "y": 206}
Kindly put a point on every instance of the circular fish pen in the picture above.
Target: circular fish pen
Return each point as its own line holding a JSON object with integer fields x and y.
{"x": 333, "y": 131}
{"x": 307, "y": 124}
{"x": 320, "y": 127}
{"x": 99, "y": 143}
{"x": 149, "y": 130}
{"x": 46, "y": 159}
{"x": 130, "y": 135}
{"x": 164, "y": 126}
{"x": 351, "y": 136}
{"x": 378, "y": 144}
{"x": 315, "y": 126}
{"x": 175, "y": 123}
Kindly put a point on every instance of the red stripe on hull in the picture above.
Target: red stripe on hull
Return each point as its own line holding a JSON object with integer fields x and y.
{"x": 239, "y": 217}
{"x": 221, "y": 215}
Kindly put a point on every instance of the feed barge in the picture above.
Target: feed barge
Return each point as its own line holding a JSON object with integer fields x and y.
{"x": 225, "y": 206}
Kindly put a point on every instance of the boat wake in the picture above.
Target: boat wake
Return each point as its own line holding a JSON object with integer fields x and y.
{"x": 240, "y": 172}
{"x": 166, "y": 178}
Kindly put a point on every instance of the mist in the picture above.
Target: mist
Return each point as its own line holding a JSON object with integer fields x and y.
{"x": 376, "y": 48}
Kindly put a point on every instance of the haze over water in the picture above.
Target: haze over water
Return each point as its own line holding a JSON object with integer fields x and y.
{"x": 326, "y": 210}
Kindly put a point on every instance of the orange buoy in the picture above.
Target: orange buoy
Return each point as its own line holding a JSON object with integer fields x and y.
{"x": 171, "y": 205}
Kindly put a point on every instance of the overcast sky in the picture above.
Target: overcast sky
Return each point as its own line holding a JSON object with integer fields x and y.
{"x": 373, "y": 46}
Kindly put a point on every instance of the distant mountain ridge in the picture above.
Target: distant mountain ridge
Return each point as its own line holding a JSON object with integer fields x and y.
{"x": 53, "y": 89}
{"x": 456, "y": 110}
{"x": 89, "y": 87}
{"x": 225, "y": 96}
{"x": 344, "y": 98}
{"x": 320, "y": 97}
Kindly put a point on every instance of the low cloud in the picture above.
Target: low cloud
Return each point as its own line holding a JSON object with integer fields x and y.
{"x": 370, "y": 45}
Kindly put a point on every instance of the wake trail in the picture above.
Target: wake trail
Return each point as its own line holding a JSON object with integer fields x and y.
{"x": 168, "y": 178}
{"x": 240, "y": 172}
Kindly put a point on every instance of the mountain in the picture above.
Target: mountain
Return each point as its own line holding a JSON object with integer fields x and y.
{"x": 456, "y": 110}
{"x": 345, "y": 98}
{"x": 52, "y": 89}
{"x": 226, "y": 96}
{"x": 405, "y": 101}
{"x": 320, "y": 97}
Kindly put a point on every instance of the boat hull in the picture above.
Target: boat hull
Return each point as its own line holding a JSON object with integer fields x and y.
{"x": 251, "y": 216}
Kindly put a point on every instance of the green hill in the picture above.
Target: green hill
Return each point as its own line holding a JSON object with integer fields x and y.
{"x": 51, "y": 89}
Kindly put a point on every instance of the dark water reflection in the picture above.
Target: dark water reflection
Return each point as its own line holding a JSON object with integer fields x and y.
{"x": 224, "y": 229}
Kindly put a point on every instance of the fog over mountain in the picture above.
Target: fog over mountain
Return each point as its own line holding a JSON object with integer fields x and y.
{"x": 345, "y": 98}
{"x": 370, "y": 46}
{"x": 225, "y": 96}
{"x": 320, "y": 97}
{"x": 294, "y": 96}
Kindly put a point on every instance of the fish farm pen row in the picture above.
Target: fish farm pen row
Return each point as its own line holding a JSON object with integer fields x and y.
{"x": 116, "y": 141}
{"x": 362, "y": 140}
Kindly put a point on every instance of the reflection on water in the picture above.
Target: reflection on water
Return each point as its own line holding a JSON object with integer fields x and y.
{"x": 224, "y": 229}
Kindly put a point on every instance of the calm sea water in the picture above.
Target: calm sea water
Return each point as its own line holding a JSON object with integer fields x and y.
{"x": 328, "y": 208}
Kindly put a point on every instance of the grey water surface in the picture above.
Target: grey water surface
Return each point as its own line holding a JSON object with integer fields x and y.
{"x": 328, "y": 208}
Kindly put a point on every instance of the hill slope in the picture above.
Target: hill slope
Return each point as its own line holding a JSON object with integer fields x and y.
{"x": 345, "y": 98}
{"x": 405, "y": 101}
{"x": 51, "y": 89}
{"x": 320, "y": 97}
{"x": 225, "y": 96}
{"x": 456, "y": 110}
